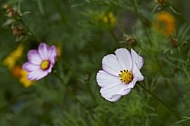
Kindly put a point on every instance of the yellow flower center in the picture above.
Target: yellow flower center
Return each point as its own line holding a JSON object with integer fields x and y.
{"x": 44, "y": 64}
{"x": 126, "y": 76}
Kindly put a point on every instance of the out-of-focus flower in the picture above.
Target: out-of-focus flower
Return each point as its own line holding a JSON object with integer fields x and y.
{"x": 18, "y": 31}
{"x": 40, "y": 62}
{"x": 130, "y": 40}
{"x": 165, "y": 22}
{"x": 161, "y": 2}
{"x": 12, "y": 13}
{"x": 120, "y": 73}
{"x": 10, "y": 60}
{"x": 174, "y": 42}
{"x": 59, "y": 50}
{"x": 18, "y": 72}
{"x": 106, "y": 18}
{"x": 24, "y": 80}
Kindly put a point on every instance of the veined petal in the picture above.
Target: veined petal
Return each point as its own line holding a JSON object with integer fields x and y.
{"x": 30, "y": 67}
{"x": 36, "y": 75}
{"x": 111, "y": 65}
{"x": 34, "y": 57}
{"x": 50, "y": 68}
{"x": 137, "y": 59}
{"x": 137, "y": 74}
{"x": 109, "y": 92}
{"x": 104, "y": 79}
{"x": 52, "y": 54}
{"x": 43, "y": 50}
{"x": 124, "y": 58}
{"x": 124, "y": 91}
{"x": 126, "y": 88}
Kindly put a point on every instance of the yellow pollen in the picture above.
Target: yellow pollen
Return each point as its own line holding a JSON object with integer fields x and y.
{"x": 44, "y": 64}
{"x": 126, "y": 76}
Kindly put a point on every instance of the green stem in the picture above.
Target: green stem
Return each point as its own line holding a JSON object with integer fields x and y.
{"x": 136, "y": 10}
{"x": 69, "y": 91}
{"x": 168, "y": 107}
{"x": 59, "y": 9}
{"x": 114, "y": 37}
{"x": 29, "y": 33}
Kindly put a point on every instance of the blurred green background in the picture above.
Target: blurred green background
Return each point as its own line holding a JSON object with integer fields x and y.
{"x": 84, "y": 31}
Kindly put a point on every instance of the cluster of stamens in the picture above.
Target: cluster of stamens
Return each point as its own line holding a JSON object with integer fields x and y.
{"x": 126, "y": 76}
{"x": 45, "y": 64}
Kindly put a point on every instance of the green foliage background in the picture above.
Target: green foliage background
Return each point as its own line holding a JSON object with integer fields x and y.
{"x": 69, "y": 96}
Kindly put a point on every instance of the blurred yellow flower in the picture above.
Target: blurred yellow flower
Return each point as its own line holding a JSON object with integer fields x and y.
{"x": 23, "y": 79}
{"x": 106, "y": 18}
{"x": 59, "y": 50}
{"x": 10, "y": 60}
{"x": 20, "y": 73}
{"x": 165, "y": 22}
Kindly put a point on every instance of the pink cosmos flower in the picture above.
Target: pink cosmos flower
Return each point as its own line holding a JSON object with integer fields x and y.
{"x": 120, "y": 73}
{"x": 40, "y": 62}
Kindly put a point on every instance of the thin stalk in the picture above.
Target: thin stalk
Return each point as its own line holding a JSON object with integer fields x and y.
{"x": 136, "y": 10}
{"x": 59, "y": 9}
{"x": 29, "y": 32}
{"x": 114, "y": 37}
{"x": 69, "y": 91}
{"x": 164, "y": 104}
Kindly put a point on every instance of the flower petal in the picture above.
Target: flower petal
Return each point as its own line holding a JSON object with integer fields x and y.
{"x": 111, "y": 65}
{"x": 136, "y": 73}
{"x": 137, "y": 59}
{"x": 30, "y": 67}
{"x": 36, "y": 75}
{"x": 124, "y": 91}
{"x": 34, "y": 57}
{"x": 52, "y": 54}
{"x": 43, "y": 51}
{"x": 109, "y": 92}
{"x": 104, "y": 79}
{"x": 124, "y": 58}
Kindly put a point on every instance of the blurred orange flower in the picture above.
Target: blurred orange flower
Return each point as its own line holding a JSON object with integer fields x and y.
{"x": 20, "y": 73}
{"x": 165, "y": 23}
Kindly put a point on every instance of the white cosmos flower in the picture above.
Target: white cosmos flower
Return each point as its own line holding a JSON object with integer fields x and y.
{"x": 120, "y": 73}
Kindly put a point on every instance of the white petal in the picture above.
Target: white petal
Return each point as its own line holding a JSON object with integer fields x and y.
{"x": 133, "y": 82}
{"x": 109, "y": 92}
{"x": 30, "y": 67}
{"x": 137, "y": 74}
{"x": 111, "y": 65}
{"x": 104, "y": 79}
{"x": 34, "y": 57}
{"x": 124, "y": 58}
{"x": 36, "y": 75}
{"x": 137, "y": 59}
{"x": 124, "y": 91}
{"x": 43, "y": 51}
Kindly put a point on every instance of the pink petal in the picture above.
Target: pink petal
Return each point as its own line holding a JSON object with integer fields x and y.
{"x": 30, "y": 67}
{"x": 52, "y": 54}
{"x": 104, "y": 79}
{"x": 43, "y": 51}
{"x": 111, "y": 65}
{"x": 110, "y": 92}
{"x": 34, "y": 57}
{"x": 124, "y": 58}
{"x": 137, "y": 59}
{"x": 50, "y": 68}
{"x": 36, "y": 75}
